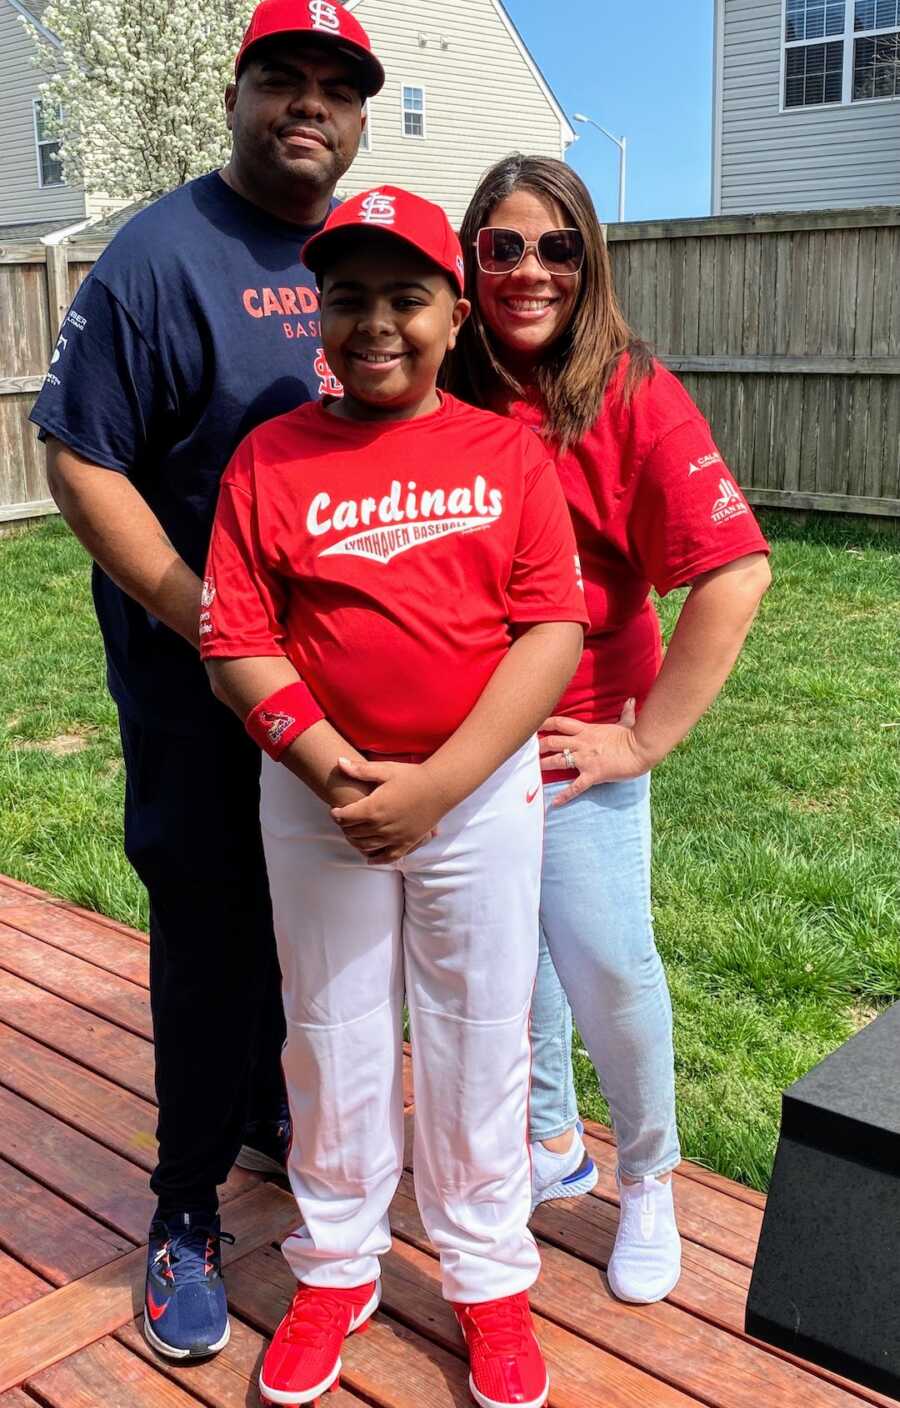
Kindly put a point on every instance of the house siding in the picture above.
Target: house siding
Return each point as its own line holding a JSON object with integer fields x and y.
{"x": 482, "y": 101}
{"x": 21, "y": 195}
{"x": 803, "y": 159}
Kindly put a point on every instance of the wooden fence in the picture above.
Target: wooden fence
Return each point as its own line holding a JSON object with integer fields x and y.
{"x": 786, "y": 331}
{"x": 37, "y": 284}
{"x": 784, "y": 328}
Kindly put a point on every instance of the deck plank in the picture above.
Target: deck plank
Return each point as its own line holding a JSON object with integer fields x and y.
{"x": 114, "y": 951}
{"x": 91, "y": 1104}
{"x": 48, "y": 1235}
{"x": 229, "y": 1379}
{"x": 71, "y": 978}
{"x": 88, "y": 1039}
{"x": 107, "y": 1373}
{"x": 18, "y": 1285}
{"x": 76, "y": 1166}
{"x": 66, "y": 1320}
{"x": 17, "y": 1398}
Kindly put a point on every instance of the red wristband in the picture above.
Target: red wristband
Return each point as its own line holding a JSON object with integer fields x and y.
{"x": 278, "y": 720}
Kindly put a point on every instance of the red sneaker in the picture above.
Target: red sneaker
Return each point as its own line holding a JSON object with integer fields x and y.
{"x": 504, "y": 1355}
{"x": 304, "y": 1358}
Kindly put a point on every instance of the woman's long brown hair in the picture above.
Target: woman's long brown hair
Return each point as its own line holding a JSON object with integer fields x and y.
{"x": 575, "y": 371}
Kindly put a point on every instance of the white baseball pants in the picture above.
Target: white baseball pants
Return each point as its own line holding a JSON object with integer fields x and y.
{"x": 455, "y": 926}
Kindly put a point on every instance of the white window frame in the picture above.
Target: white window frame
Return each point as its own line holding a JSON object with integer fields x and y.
{"x": 848, "y": 38}
{"x": 43, "y": 142}
{"x": 412, "y": 136}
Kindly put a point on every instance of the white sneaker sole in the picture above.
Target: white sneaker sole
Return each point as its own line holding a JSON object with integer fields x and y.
{"x": 277, "y": 1395}
{"x": 564, "y": 1189}
{"x": 486, "y": 1402}
{"x": 642, "y": 1300}
{"x": 258, "y": 1162}
{"x": 171, "y": 1352}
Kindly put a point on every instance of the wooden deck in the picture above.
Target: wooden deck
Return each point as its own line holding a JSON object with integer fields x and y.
{"x": 76, "y": 1146}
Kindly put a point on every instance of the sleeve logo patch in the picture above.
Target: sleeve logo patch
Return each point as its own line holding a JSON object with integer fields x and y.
{"x": 275, "y": 723}
{"x": 730, "y": 503}
{"x": 703, "y": 463}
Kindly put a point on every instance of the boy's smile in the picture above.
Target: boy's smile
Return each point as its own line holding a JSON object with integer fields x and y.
{"x": 389, "y": 316}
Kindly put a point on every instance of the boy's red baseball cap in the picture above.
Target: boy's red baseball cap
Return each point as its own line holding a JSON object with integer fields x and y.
{"x": 417, "y": 222}
{"x": 322, "y": 19}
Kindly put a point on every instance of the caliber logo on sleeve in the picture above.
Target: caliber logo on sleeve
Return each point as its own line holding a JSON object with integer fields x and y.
{"x": 730, "y": 503}
{"x": 324, "y": 16}
{"x": 378, "y": 209}
{"x": 403, "y": 518}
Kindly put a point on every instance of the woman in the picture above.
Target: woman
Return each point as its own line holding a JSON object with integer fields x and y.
{"x": 653, "y": 505}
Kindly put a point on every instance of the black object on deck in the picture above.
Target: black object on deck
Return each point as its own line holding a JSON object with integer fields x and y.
{"x": 826, "y": 1284}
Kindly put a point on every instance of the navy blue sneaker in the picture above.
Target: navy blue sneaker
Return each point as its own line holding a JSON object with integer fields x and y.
{"x": 185, "y": 1311}
{"x": 266, "y": 1145}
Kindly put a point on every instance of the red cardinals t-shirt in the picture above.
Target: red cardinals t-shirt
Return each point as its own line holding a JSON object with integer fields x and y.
{"x": 653, "y": 505}
{"x": 388, "y": 562}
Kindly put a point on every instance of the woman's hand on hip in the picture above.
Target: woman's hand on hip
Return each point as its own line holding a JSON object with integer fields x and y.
{"x": 599, "y": 752}
{"x": 397, "y": 816}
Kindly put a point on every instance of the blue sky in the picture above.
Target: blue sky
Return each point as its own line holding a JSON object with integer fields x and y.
{"x": 642, "y": 69}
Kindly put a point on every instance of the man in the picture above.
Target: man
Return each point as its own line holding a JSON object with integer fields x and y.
{"x": 197, "y": 323}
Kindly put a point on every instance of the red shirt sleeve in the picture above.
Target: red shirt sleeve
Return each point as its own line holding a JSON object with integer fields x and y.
{"x": 243, "y": 600}
{"x": 545, "y": 583}
{"x": 687, "y": 515}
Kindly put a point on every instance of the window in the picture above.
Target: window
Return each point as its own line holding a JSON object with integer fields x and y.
{"x": 876, "y": 54}
{"x": 814, "y": 73}
{"x": 840, "y": 51}
{"x": 413, "y": 111}
{"x": 50, "y": 172}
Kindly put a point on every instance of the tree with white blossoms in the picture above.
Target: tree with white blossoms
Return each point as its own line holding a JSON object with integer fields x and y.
{"x": 140, "y": 84}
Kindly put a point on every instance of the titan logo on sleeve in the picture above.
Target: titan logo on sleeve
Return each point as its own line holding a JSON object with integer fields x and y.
{"x": 729, "y": 504}
{"x": 402, "y": 519}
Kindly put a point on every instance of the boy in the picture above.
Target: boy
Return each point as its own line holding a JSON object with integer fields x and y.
{"x": 392, "y": 606}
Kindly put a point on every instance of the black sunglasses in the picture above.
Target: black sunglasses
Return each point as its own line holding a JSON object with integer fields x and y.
{"x": 500, "y": 251}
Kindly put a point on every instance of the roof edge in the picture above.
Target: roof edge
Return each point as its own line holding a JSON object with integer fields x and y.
{"x": 33, "y": 20}
{"x": 569, "y": 133}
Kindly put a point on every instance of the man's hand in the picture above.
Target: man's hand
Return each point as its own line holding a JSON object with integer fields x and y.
{"x": 600, "y": 752}
{"x": 398, "y": 815}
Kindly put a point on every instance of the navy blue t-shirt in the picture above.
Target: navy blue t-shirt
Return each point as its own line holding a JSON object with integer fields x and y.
{"x": 197, "y": 323}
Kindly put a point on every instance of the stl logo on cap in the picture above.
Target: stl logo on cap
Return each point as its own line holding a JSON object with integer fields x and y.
{"x": 378, "y": 209}
{"x": 324, "y": 16}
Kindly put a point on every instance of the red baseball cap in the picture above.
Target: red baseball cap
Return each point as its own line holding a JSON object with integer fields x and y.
{"x": 323, "y": 18}
{"x": 409, "y": 218}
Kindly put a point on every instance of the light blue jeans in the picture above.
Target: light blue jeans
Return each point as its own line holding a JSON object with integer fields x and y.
{"x": 597, "y": 948}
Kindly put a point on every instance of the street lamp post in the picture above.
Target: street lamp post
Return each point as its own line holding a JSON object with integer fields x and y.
{"x": 622, "y": 144}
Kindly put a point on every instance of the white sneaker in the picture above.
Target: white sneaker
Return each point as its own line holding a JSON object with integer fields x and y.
{"x": 565, "y": 1175}
{"x": 646, "y": 1260}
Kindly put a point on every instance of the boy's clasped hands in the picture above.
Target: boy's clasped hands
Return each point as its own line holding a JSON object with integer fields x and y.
{"x": 397, "y": 814}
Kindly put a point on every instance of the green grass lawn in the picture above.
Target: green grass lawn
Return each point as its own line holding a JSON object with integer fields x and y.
{"x": 777, "y": 824}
